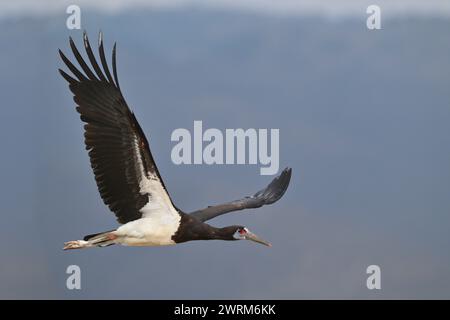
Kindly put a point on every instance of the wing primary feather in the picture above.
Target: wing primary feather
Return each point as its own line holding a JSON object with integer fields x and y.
{"x": 72, "y": 68}
{"x": 68, "y": 78}
{"x": 80, "y": 60}
{"x": 114, "y": 66}
{"x": 103, "y": 59}
{"x": 91, "y": 57}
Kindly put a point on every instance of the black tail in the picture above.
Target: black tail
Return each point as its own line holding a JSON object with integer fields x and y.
{"x": 90, "y": 236}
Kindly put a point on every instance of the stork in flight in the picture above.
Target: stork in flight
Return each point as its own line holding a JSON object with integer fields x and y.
{"x": 126, "y": 174}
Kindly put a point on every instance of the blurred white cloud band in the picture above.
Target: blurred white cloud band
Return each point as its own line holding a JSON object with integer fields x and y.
{"x": 290, "y": 7}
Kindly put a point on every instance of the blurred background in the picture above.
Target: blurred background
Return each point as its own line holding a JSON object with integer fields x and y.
{"x": 364, "y": 123}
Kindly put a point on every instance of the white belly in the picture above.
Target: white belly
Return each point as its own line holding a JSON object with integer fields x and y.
{"x": 154, "y": 230}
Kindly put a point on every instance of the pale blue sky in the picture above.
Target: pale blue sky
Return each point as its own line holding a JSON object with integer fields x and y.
{"x": 363, "y": 118}
{"x": 285, "y": 7}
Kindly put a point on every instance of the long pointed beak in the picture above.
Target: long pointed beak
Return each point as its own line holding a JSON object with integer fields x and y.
{"x": 253, "y": 237}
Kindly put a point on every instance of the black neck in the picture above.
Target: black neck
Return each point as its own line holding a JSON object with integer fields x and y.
{"x": 192, "y": 229}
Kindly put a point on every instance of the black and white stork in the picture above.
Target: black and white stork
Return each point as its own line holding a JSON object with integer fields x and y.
{"x": 126, "y": 174}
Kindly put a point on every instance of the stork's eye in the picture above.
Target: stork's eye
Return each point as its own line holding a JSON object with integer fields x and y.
{"x": 243, "y": 231}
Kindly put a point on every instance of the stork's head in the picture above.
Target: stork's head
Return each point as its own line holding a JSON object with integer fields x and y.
{"x": 242, "y": 233}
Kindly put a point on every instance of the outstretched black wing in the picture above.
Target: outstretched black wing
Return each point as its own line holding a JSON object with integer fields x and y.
{"x": 126, "y": 174}
{"x": 272, "y": 193}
